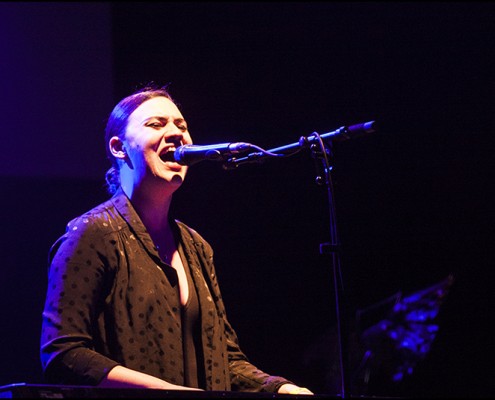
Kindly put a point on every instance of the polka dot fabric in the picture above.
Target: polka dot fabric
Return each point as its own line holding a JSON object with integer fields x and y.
{"x": 111, "y": 300}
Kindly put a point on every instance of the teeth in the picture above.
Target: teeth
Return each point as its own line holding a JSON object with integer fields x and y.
{"x": 168, "y": 155}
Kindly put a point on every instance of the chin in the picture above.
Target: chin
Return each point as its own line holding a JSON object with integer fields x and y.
{"x": 177, "y": 179}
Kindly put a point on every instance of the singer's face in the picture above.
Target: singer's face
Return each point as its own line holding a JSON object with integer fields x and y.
{"x": 154, "y": 130}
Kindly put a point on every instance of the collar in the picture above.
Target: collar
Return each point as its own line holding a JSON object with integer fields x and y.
{"x": 123, "y": 205}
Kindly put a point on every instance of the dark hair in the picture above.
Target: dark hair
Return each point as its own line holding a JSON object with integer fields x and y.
{"x": 117, "y": 124}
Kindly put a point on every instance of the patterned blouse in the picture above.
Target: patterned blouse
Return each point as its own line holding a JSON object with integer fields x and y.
{"x": 112, "y": 301}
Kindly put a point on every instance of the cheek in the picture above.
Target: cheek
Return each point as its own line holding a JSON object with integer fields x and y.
{"x": 137, "y": 150}
{"x": 137, "y": 155}
{"x": 187, "y": 139}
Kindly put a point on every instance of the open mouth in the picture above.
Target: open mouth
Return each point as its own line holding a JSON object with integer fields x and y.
{"x": 168, "y": 155}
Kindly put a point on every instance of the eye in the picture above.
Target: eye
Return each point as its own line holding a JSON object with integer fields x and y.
{"x": 155, "y": 125}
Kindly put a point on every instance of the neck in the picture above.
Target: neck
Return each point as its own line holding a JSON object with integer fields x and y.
{"x": 153, "y": 208}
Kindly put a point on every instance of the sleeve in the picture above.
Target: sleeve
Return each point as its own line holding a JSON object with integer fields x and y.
{"x": 244, "y": 376}
{"x": 75, "y": 295}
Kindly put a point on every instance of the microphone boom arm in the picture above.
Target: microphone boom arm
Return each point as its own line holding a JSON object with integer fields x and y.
{"x": 338, "y": 135}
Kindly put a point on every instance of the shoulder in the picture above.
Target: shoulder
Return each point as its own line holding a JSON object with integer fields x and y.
{"x": 85, "y": 236}
{"x": 192, "y": 236}
{"x": 102, "y": 220}
{"x": 90, "y": 229}
{"x": 187, "y": 231}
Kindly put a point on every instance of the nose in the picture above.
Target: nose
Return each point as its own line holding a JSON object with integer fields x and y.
{"x": 173, "y": 134}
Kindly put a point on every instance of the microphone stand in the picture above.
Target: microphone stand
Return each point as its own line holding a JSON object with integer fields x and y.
{"x": 321, "y": 151}
{"x": 321, "y": 155}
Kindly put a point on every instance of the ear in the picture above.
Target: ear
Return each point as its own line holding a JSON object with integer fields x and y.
{"x": 116, "y": 147}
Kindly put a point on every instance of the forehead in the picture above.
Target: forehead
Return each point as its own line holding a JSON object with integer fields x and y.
{"x": 156, "y": 107}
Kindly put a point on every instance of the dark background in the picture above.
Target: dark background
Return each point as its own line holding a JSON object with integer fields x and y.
{"x": 413, "y": 200}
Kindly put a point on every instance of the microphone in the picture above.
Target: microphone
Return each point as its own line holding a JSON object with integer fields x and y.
{"x": 352, "y": 131}
{"x": 190, "y": 154}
